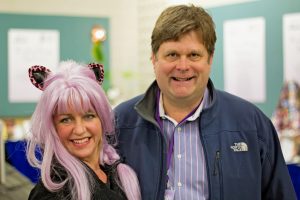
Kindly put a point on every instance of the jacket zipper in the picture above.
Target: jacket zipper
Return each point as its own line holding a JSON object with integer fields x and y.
{"x": 216, "y": 164}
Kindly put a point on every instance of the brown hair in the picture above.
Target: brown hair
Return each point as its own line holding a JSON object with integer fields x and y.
{"x": 176, "y": 21}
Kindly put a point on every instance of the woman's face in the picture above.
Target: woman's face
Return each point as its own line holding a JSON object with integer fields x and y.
{"x": 80, "y": 133}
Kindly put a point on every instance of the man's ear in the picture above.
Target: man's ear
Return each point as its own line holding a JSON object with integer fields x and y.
{"x": 153, "y": 58}
{"x": 210, "y": 59}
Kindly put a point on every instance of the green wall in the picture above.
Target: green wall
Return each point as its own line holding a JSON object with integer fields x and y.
{"x": 272, "y": 11}
{"x": 75, "y": 44}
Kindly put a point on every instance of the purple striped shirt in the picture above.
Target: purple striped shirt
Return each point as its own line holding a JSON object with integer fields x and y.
{"x": 187, "y": 171}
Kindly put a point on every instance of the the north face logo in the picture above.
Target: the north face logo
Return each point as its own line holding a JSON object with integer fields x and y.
{"x": 239, "y": 146}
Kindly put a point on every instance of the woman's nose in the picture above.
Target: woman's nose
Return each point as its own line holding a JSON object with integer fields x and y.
{"x": 79, "y": 128}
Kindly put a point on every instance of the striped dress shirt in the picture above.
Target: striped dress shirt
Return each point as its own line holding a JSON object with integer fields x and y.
{"x": 187, "y": 170}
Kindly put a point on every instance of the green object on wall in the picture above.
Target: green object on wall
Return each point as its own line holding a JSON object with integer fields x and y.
{"x": 97, "y": 52}
{"x": 99, "y": 57}
{"x": 75, "y": 44}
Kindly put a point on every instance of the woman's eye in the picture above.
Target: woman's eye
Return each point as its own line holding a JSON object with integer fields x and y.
{"x": 89, "y": 116}
{"x": 65, "y": 120}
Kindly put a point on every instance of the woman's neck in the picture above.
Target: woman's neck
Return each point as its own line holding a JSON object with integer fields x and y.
{"x": 101, "y": 175}
{"x": 98, "y": 171}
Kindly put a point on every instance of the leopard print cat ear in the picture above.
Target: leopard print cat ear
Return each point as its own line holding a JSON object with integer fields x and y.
{"x": 98, "y": 69}
{"x": 37, "y": 75}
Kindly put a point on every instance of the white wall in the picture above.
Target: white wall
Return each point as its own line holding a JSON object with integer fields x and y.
{"x": 209, "y": 3}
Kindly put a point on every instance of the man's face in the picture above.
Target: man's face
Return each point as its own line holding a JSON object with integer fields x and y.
{"x": 182, "y": 68}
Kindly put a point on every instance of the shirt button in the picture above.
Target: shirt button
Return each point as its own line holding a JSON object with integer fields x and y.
{"x": 179, "y": 184}
{"x": 179, "y": 129}
{"x": 178, "y": 156}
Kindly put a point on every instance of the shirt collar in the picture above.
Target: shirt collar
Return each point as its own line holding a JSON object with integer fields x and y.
{"x": 203, "y": 104}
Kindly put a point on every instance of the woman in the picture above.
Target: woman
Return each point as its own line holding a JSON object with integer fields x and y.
{"x": 71, "y": 124}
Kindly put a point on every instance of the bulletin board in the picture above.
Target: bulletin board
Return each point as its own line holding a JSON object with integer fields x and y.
{"x": 272, "y": 11}
{"x": 75, "y": 44}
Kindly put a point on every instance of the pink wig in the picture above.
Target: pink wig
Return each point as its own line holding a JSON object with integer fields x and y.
{"x": 74, "y": 86}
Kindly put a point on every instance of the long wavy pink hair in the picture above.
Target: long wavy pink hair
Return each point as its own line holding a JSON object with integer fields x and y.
{"x": 74, "y": 86}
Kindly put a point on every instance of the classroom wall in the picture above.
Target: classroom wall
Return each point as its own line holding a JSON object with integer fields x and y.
{"x": 131, "y": 25}
{"x": 122, "y": 20}
{"x": 18, "y": 97}
{"x": 271, "y": 10}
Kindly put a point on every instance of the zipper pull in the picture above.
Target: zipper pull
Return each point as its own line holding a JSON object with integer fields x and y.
{"x": 216, "y": 164}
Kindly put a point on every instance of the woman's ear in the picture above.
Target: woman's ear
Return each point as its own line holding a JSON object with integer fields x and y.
{"x": 37, "y": 75}
{"x": 98, "y": 70}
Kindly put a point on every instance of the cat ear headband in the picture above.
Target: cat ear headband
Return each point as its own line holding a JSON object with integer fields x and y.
{"x": 38, "y": 74}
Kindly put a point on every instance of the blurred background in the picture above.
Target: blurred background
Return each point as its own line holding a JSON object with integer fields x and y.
{"x": 257, "y": 57}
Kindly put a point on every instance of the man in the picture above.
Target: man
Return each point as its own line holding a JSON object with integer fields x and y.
{"x": 185, "y": 139}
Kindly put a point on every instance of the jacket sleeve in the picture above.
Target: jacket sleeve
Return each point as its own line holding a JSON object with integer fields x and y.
{"x": 276, "y": 181}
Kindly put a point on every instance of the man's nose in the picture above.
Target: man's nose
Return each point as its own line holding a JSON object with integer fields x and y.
{"x": 182, "y": 64}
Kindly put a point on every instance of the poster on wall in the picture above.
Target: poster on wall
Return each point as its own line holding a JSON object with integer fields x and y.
{"x": 244, "y": 58}
{"x": 28, "y": 47}
{"x": 291, "y": 47}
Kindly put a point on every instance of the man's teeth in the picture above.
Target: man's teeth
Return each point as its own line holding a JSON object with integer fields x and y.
{"x": 81, "y": 141}
{"x": 182, "y": 79}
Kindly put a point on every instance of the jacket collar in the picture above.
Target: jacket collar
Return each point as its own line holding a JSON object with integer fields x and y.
{"x": 146, "y": 107}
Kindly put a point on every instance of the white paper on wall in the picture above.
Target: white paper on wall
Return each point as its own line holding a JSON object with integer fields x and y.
{"x": 27, "y": 47}
{"x": 244, "y": 58}
{"x": 291, "y": 47}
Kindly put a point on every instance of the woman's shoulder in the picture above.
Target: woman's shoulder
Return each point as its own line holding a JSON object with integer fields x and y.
{"x": 40, "y": 192}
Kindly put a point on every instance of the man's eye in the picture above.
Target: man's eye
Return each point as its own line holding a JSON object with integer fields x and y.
{"x": 195, "y": 55}
{"x": 172, "y": 55}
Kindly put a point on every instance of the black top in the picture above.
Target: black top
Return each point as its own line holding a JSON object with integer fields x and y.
{"x": 100, "y": 191}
